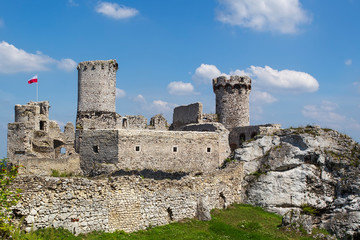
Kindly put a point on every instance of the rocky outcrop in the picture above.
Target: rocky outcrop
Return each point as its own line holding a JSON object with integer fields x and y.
{"x": 306, "y": 174}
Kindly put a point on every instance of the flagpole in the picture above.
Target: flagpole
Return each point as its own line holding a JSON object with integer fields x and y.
{"x": 37, "y": 96}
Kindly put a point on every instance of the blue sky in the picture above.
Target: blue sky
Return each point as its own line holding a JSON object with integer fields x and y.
{"x": 303, "y": 56}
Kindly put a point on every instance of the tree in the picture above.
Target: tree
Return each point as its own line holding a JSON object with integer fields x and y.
{"x": 8, "y": 197}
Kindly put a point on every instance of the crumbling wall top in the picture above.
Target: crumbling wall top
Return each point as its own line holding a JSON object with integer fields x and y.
{"x": 233, "y": 81}
{"x": 98, "y": 63}
{"x": 187, "y": 114}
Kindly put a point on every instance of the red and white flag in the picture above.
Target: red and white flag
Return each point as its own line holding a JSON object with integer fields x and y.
{"x": 34, "y": 79}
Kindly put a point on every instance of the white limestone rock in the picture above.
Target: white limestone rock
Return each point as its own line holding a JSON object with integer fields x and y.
{"x": 305, "y": 167}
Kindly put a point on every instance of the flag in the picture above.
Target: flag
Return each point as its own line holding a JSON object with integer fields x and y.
{"x": 34, "y": 79}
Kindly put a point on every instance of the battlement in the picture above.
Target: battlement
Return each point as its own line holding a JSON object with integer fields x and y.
{"x": 235, "y": 81}
{"x": 100, "y": 64}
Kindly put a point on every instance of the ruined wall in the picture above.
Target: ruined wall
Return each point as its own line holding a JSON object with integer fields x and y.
{"x": 34, "y": 139}
{"x": 176, "y": 151}
{"x": 209, "y": 118}
{"x": 45, "y": 166}
{"x": 126, "y": 203}
{"x": 98, "y": 151}
{"x": 241, "y": 134}
{"x": 224, "y": 149}
{"x": 169, "y": 151}
{"x": 187, "y": 114}
{"x": 232, "y": 100}
{"x": 135, "y": 122}
{"x": 158, "y": 122}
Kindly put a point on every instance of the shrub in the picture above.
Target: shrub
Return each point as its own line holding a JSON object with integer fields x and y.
{"x": 307, "y": 209}
{"x": 8, "y": 197}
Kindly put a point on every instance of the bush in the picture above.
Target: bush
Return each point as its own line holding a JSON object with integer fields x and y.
{"x": 8, "y": 197}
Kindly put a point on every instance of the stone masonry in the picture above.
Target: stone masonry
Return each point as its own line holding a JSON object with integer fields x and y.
{"x": 168, "y": 151}
{"x": 96, "y": 95}
{"x": 37, "y": 143}
{"x": 128, "y": 203}
{"x": 232, "y": 100}
{"x": 182, "y": 168}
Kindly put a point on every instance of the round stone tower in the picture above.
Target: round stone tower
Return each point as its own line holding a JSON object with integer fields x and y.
{"x": 96, "y": 95}
{"x": 232, "y": 100}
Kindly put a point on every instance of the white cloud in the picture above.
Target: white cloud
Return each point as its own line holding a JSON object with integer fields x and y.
{"x": 284, "y": 79}
{"x": 140, "y": 99}
{"x": 348, "y": 62}
{"x": 259, "y": 97}
{"x": 324, "y": 114}
{"x": 120, "y": 93}
{"x": 161, "y": 106}
{"x": 257, "y": 100}
{"x": 205, "y": 73}
{"x": 357, "y": 85}
{"x": 289, "y": 80}
{"x": 13, "y": 60}
{"x": 67, "y": 64}
{"x": 180, "y": 88}
{"x": 239, "y": 73}
{"x": 282, "y": 16}
{"x": 113, "y": 10}
{"x": 154, "y": 107}
{"x": 72, "y": 3}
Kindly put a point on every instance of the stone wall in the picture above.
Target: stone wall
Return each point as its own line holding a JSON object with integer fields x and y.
{"x": 232, "y": 100}
{"x": 45, "y": 166}
{"x": 224, "y": 148}
{"x": 176, "y": 151}
{"x": 158, "y": 122}
{"x": 34, "y": 137}
{"x": 240, "y": 134}
{"x": 134, "y": 122}
{"x": 98, "y": 151}
{"x": 209, "y": 117}
{"x": 98, "y": 120}
{"x": 126, "y": 203}
{"x": 187, "y": 114}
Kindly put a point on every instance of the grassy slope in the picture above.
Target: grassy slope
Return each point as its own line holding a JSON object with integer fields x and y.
{"x": 236, "y": 222}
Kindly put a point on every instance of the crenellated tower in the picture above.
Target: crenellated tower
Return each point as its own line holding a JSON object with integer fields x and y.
{"x": 232, "y": 100}
{"x": 96, "y": 95}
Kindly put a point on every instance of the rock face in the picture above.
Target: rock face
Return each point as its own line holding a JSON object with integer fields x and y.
{"x": 306, "y": 174}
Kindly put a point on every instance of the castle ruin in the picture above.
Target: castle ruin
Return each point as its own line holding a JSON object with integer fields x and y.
{"x": 157, "y": 173}
{"x": 104, "y": 142}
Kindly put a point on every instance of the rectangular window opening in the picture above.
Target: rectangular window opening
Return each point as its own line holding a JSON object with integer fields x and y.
{"x": 175, "y": 149}
{"x": 137, "y": 148}
{"x": 43, "y": 125}
{"x": 96, "y": 149}
{"x": 19, "y": 152}
{"x": 208, "y": 149}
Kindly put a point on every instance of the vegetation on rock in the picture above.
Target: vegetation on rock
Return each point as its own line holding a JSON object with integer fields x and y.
{"x": 8, "y": 197}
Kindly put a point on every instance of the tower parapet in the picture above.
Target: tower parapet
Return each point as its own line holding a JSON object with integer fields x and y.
{"x": 97, "y": 95}
{"x": 232, "y": 100}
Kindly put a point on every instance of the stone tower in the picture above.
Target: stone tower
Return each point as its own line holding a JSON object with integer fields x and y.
{"x": 96, "y": 95}
{"x": 232, "y": 100}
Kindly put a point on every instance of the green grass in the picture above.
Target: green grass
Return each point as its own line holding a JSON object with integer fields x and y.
{"x": 236, "y": 222}
{"x": 56, "y": 173}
